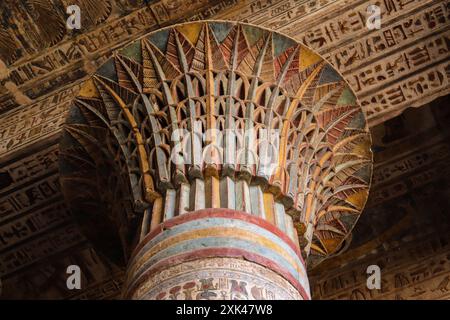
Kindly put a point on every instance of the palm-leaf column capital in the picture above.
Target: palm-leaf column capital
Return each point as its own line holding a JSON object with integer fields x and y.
{"x": 210, "y": 115}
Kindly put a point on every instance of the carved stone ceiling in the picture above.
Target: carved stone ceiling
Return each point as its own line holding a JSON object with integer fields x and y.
{"x": 42, "y": 65}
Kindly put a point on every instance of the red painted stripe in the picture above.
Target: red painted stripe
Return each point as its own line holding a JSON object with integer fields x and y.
{"x": 214, "y": 253}
{"x": 218, "y": 213}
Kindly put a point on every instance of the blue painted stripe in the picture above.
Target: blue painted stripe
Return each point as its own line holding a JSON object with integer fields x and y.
{"x": 219, "y": 242}
{"x": 222, "y": 222}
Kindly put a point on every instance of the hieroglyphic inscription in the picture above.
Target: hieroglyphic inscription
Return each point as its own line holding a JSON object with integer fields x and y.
{"x": 403, "y": 63}
{"x": 398, "y": 188}
{"x": 421, "y": 88}
{"x": 169, "y": 11}
{"x": 411, "y": 163}
{"x": 36, "y": 194}
{"x": 213, "y": 11}
{"x": 100, "y": 279}
{"x": 417, "y": 271}
{"x": 275, "y": 14}
{"x": 40, "y": 163}
{"x": 31, "y": 252}
{"x": 35, "y": 222}
{"x": 109, "y": 289}
{"x": 20, "y": 128}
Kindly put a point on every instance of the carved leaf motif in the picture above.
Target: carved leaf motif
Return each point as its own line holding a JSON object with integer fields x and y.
{"x": 168, "y": 95}
{"x": 8, "y": 46}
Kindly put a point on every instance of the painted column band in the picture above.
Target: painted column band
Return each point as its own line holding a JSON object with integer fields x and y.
{"x": 213, "y": 233}
{"x": 216, "y": 278}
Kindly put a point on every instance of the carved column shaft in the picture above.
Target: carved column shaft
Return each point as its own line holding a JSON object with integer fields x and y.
{"x": 217, "y": 254}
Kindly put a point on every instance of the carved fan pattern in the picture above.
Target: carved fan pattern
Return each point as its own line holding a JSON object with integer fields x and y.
{"x": 191, "y": 78}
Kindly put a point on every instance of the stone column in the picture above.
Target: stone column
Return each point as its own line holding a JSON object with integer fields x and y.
{"x": 212, "y": 159}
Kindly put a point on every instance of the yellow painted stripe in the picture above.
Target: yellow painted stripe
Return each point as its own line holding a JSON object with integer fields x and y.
{"x": 215, "y": 232}
{"x": 268, "y": 207}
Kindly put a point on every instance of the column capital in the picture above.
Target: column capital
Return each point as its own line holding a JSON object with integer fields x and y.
{"x": 216, "y": 114}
